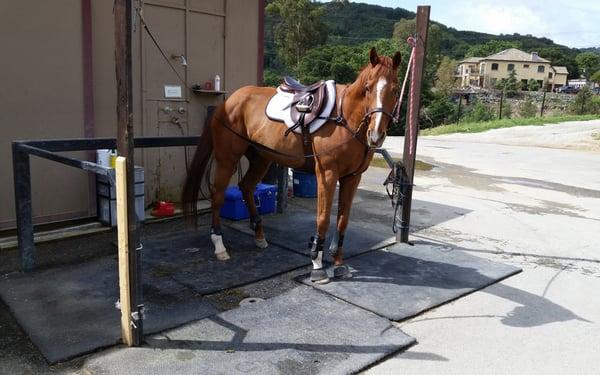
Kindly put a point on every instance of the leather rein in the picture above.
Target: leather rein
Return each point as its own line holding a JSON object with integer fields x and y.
{"x": 340, "y": 120}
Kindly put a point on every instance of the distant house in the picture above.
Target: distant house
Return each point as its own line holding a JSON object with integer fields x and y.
{"x": 485, "y": 72}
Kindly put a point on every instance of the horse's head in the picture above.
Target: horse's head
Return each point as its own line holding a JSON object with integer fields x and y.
{"x": 380, "y": 84}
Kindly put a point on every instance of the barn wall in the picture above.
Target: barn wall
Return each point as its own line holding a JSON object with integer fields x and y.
{"x": 41, "y": 97}
{"x": 43, "y": 67}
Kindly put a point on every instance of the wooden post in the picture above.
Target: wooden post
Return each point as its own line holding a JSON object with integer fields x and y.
{"x": 412, "y": 118}
{"x": 123, "y": 244}
{"x": 543, "y": 104}
{"x": 123, "y": 17}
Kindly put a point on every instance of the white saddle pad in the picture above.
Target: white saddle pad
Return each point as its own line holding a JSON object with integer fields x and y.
{"x": 278, "y": 108}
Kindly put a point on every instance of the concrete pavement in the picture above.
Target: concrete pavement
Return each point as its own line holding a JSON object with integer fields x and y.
{"x": 520, "y": 202}
{"x": 528, "y": 196}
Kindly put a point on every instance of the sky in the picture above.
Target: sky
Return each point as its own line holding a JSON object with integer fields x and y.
{"x": 574, "y": 23}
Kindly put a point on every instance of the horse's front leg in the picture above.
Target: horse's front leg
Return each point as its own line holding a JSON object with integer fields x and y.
{"x": 257, "y": 170}
{"x": 348, "y": 186}
{"x": 326, "y": 180}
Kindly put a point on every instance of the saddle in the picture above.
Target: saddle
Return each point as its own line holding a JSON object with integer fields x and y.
{"x": 306, "y": 103}
{"x": 304, "y": 109}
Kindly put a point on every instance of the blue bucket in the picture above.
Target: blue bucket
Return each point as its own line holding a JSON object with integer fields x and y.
{"x": 234, "y": 207}
{"x": 305, "y": 184}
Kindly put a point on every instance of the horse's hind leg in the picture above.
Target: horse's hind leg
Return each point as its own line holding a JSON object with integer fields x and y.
{"x": 348, "y": 186}
{"x": 223, "y": 172}
{"x": 257, "y": 170}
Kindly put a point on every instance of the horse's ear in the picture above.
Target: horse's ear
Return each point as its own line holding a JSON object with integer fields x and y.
{"x": 396, "y": 60}
{"x": 373, "y": 56}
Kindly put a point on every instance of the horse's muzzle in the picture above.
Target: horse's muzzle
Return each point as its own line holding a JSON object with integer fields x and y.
{"x": 375, "y": 140}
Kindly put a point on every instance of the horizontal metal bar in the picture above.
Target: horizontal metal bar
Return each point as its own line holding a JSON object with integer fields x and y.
{"x": 386, "y": 155}
{"x": 72, "y": 144}
{"x": 81, "y": 164}
{"x": 83, "y": 144}
{"x": 149, "y": 142}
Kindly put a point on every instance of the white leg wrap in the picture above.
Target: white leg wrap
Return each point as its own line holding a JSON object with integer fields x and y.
{"x": 318, "y": 263}
{"x": 261, "y": 243}
{"x": 220, "y": 250}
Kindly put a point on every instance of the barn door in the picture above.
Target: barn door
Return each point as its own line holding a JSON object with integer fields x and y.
{"x": 165, "y": 99}
{"x": 191, "y": 34}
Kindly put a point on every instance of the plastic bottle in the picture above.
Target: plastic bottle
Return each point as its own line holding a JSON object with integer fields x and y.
{"x": 217, "y": 83}
{"x": 113, "y": 158}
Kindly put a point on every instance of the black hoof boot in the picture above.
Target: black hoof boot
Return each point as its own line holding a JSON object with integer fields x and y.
{"x": 341, "y": 272}
{"x": 319, "y": 276}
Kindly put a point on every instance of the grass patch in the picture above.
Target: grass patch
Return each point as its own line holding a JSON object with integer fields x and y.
{"x": 478, "y": 127}
{"x": 420, "y": 165}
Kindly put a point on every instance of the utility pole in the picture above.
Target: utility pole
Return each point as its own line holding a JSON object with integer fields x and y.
{"x": 132, "y": 325}
{"x": 412, "y": 119}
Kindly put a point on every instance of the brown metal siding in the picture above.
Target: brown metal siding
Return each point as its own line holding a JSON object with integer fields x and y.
{"x": 41, "y": 97}
{"x": 42, "y": 80}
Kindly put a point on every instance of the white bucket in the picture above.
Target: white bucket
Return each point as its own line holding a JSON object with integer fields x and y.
{"x": 105, "y": 158}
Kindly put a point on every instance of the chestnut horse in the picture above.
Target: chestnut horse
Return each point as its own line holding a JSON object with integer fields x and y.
{"x": 342, "y": 149}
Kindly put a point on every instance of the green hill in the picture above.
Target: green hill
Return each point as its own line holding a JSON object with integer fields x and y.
{"x": 357, "y": 23}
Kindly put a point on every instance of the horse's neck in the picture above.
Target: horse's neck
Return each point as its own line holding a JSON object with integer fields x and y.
{"x": 352, "y": 104}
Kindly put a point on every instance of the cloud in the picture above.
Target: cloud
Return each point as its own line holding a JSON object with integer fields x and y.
{"x": 570, "y": 22}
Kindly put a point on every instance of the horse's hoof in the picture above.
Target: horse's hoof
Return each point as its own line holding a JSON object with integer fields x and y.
{"x": 341, "y": 272}
{"x": 261, "y": 243}
{"x": 319, "y": 276}
{"x": 222, "y": 256}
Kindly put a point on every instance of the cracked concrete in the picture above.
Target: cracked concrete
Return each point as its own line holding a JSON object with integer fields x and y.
{"x": 506, "y": 195}
{"x": 529, "y": 202}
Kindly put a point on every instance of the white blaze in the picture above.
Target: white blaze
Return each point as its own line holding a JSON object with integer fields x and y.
{"x": 380, "y": 86}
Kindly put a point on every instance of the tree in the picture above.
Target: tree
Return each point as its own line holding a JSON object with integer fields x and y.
{"x": 479, "y": 113}
{"x": 527, "y": 108}
{"x": 533, "y": 85}
{"x": 491, "y": 47}
{"x": 509, "y": 85}
{"x": 583, "y": 102}
{"x": 506, "y": 109}
{"x": 596, "y": 77}
{"x": 300, "y": 29}
{"x": 440, "y": 110}
{"x": 588, "y": 63}
{"x": 342, "y": 62}
{"x": 445, "y": 77}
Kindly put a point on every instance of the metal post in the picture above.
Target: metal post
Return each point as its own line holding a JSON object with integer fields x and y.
{"x": 412, "y": 119}
{"x": 543, "y": 104}
{"x": 123, "y": 18}
{"x": 501, "y": 101}
{"x": 22, "y": 186}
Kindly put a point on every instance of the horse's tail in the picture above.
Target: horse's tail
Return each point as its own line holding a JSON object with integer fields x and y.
{"x": 191, "y": 188}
